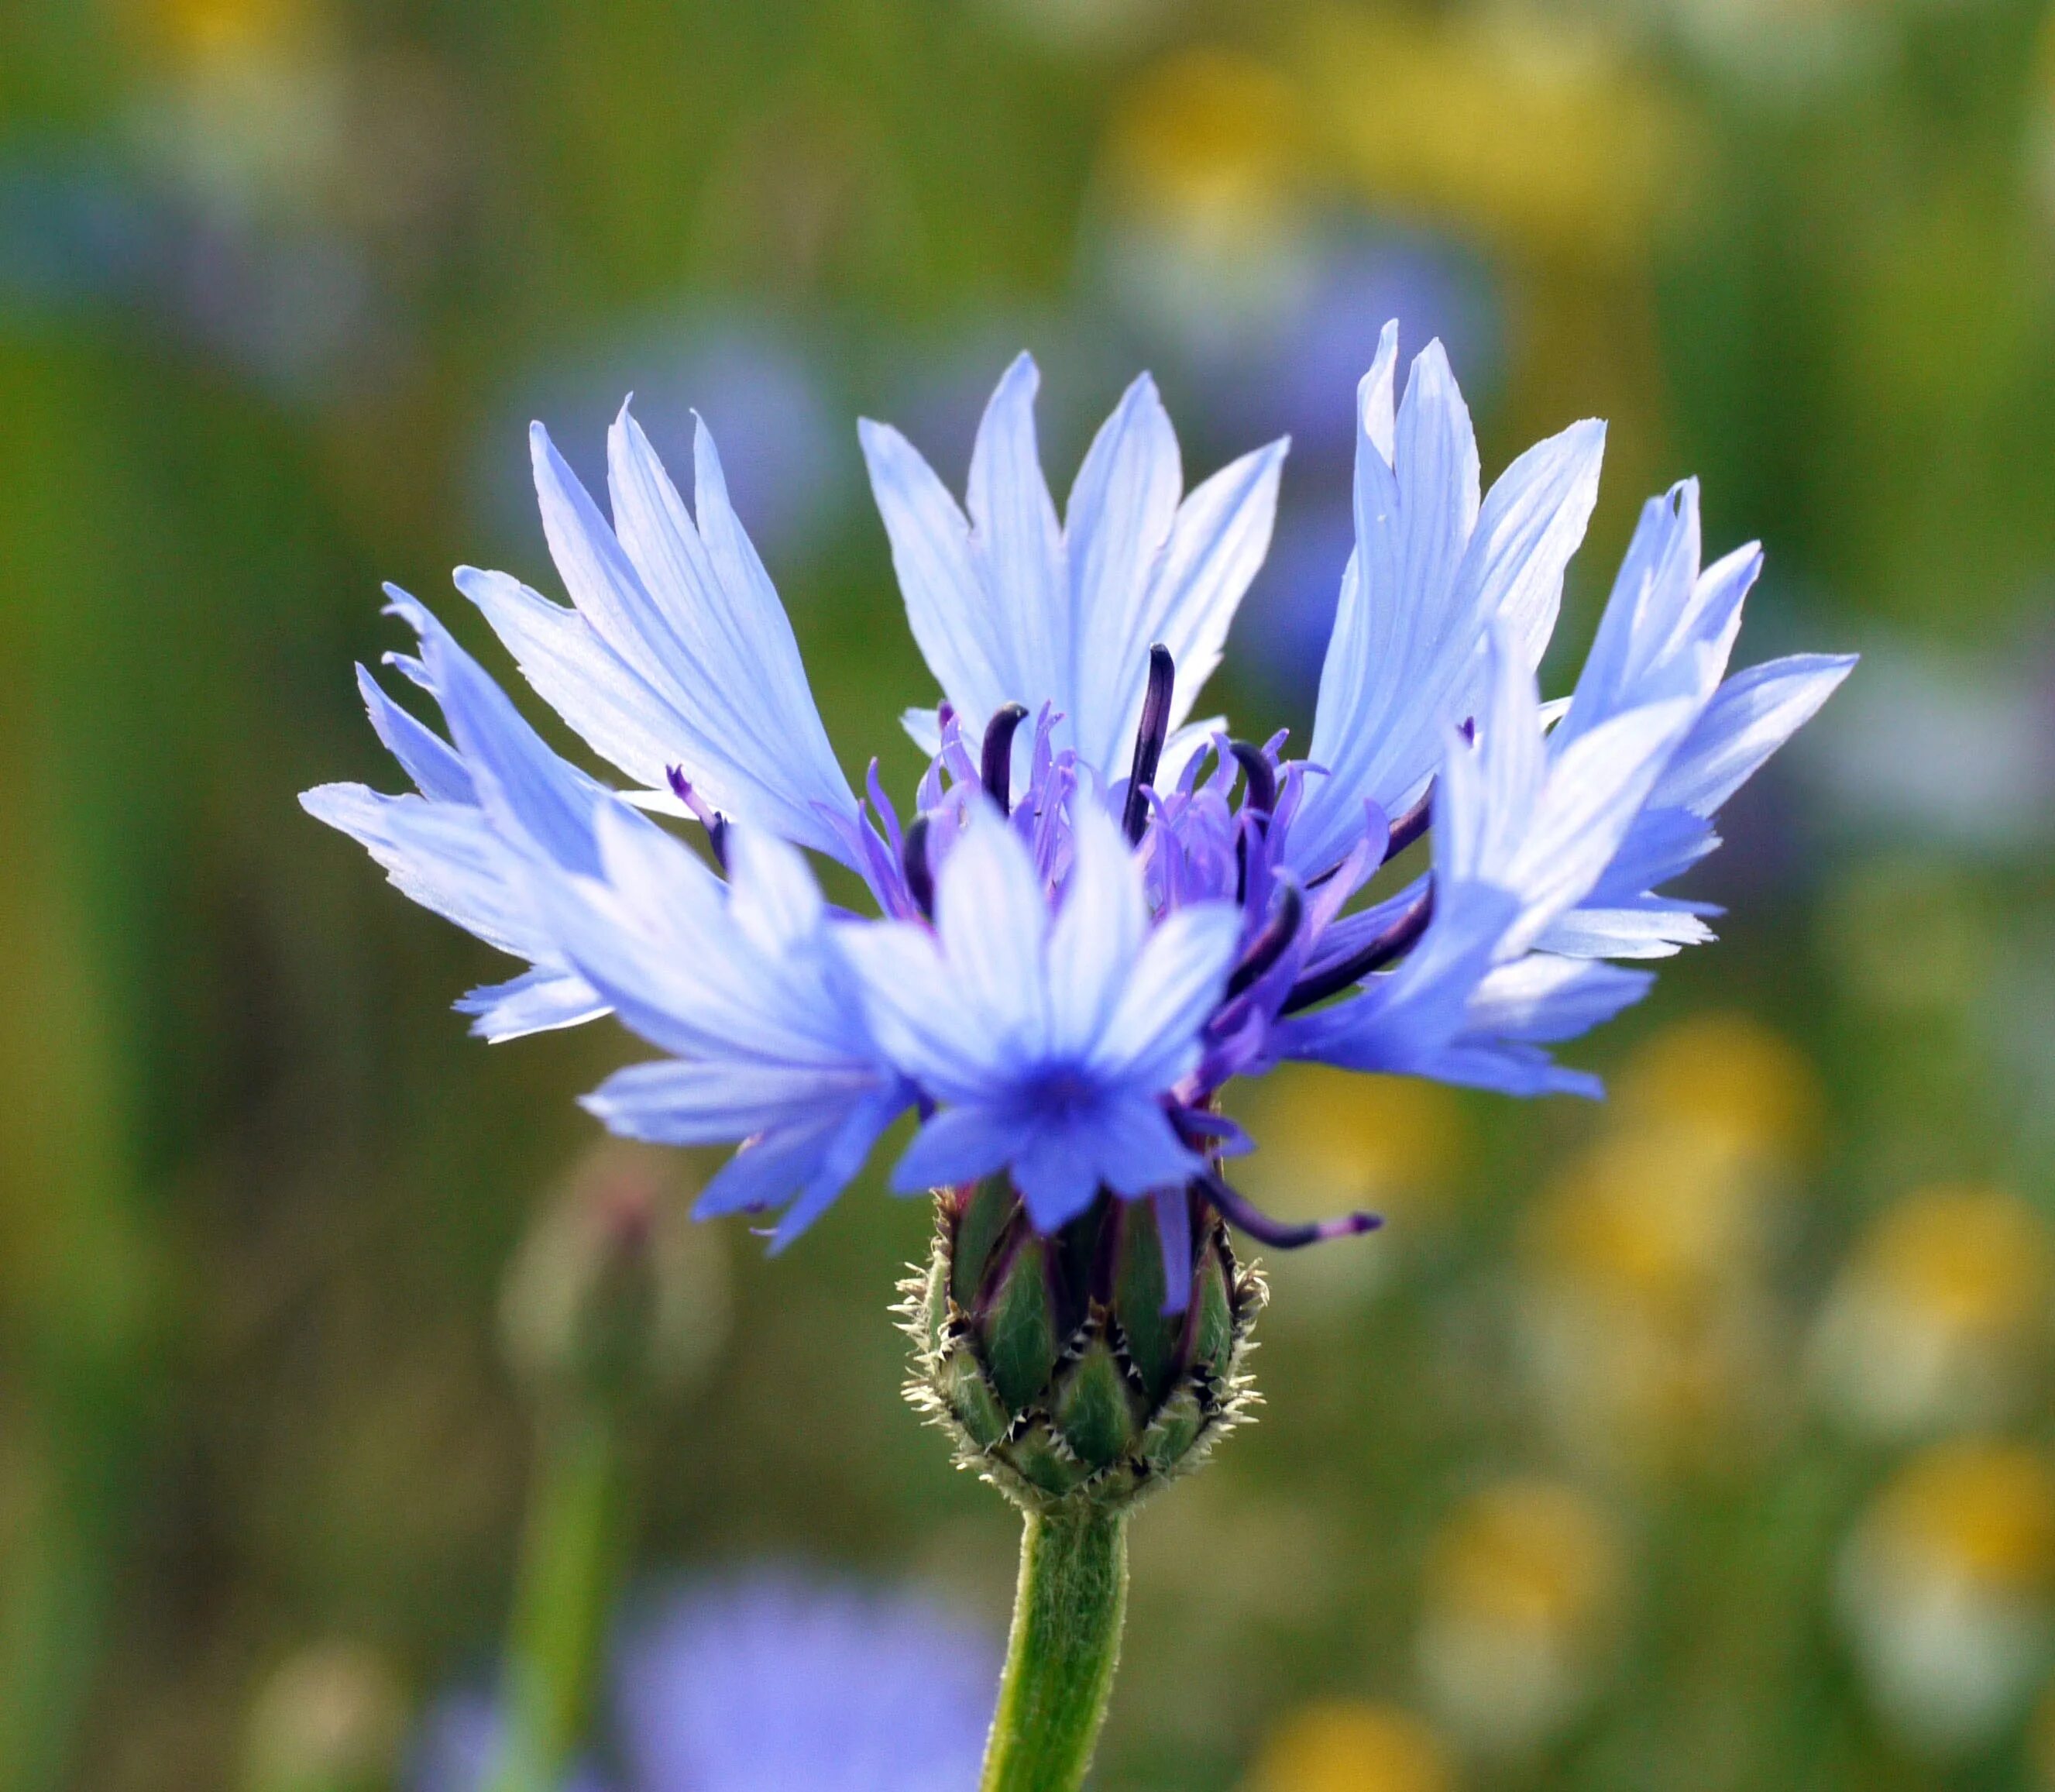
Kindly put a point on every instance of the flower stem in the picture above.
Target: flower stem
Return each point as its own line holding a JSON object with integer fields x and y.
{"x": 569, "y": 1560}
{"x": 1067, "y": 1614}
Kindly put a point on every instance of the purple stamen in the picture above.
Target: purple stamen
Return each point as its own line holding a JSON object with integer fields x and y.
{"x": 1410, "y": 826}
{"x": 1262, "y": 796}
{"x": 1401, "y": 937}
{"x": 1148, "y": 739}
{"x": 711, "y": 818}
{"x": 920, "y": 875}
{"x": 1269, "y": 946}
{"x": 1173, "y": 1230}
{"x": 996, "y": 763}
{"x": 1238, "y": 1210}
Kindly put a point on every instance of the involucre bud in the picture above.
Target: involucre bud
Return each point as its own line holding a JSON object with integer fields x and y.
{"x": 615, "y": 1293}
{"x": 1051, "y": 1361}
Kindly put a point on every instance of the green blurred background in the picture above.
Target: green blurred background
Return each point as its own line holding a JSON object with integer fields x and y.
{"x": 1701, "y": 1440}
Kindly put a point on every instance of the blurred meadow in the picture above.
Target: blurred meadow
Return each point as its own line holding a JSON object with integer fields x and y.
{"x": 1698, "y": 1440}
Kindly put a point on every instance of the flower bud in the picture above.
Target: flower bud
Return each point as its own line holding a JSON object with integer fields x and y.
{"x": 1052, "y": 1362}
{"x": 614, "y": 1294}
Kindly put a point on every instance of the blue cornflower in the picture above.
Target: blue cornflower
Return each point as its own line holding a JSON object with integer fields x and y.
{"x": 773, "y": 1680}
{"x": 1097, "y": 913}
{"x": 770, "y": 1680}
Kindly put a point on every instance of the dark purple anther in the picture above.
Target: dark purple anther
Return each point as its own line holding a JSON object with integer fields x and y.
{"x": 1262, "y": 796}
{"x": 711, "y": 818}
{"x": 1269, "y": 946}
{"x": 1148, "y": 739}
{"x": 1237, "y": 1209}
{"x": 920, "y": 876}
{"x": 1399, "y": 938}
{"x": 996, "y": 763}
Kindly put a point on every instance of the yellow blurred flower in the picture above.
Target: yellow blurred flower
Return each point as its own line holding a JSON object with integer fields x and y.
{"x": 1332, "y": 1138}
{"x": 1522, "y": 1603}
{"x": 1328, "y": 1140}
{"x": 1208, "y": 141}
{"x": 1529, "y": 128}
{"x": 1351, "y": 1747}
{"x": 1741, "y": 1088}
{"x": 1645, "y": 1306}
{"x": 1945, "y": 1587}
{"x": 1643, "y": 1313}
{"x": 1939, "y": 1317}
{"x": 201, "y": 30}
{"x": 1203, "y": 186}
{"x": 327, "y": 1720}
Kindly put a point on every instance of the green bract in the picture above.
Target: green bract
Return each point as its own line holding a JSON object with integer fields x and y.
{"x": 1052, "y": 1361}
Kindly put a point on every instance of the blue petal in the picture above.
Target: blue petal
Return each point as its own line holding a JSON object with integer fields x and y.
{"x": 444, "y": 856}
{"x": 1753, "y": 714}
{"x": 538, "y": 1001}
{"x": 959, "y": 1145}
{"x": 678, "y": 652}
{"x": 437, "y": 771}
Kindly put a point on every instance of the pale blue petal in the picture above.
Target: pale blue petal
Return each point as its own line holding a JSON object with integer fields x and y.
{"x": 611, "y": 706}
{"x": 952, "y": 621}
{"x": 1753, "y": 714}
{"x": 1137, "y": 1151}
{"x": 526, "y": 787}
{"x": 1097, "y": 937}
{"x": 725, "y": 645}
{"x": 1017, "y": 545}
{"x": 1121, "y": 510}
{"x": 1531, "y": 522}
{"x": 1434, "y": 463}
{"x": 1594, "y": 792}
{"x": 916, "y": 1015}
{"x": 1152, "y": 1039}
{"x": 536, "y": 1001}
{"x": 772, "y": 896}
{"x": 1659, "y": 931}
{"x": 992, "y": 917}
{"x": 960, "y": 1145}
{"x": 673, "y": 1102}
{"x": 442, "y": 855}
{"x": 1540, "y": 999}
{"x": 1404, "y": 665}
{"x": 1057, "y": 1173}
{"x": 424, "y": 755}
{"x": 1216, "y": 549}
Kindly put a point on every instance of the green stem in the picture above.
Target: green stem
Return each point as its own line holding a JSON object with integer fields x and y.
{"x": 571, "y": 1555}
{"x": 1067, "y": 1614}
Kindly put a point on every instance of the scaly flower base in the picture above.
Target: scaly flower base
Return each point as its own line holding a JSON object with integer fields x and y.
{"x": 1063, "y": 1376}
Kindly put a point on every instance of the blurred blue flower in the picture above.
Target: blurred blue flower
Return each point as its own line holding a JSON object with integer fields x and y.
{"x": 768, "y": 1681}
{"x": 773, "y": 1681}
{"x": 1282, "y": 379}
{"x": 757, "y": 386}
{"x": 1100, "y": 912}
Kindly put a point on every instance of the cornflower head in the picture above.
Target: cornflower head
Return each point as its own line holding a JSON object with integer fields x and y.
{"x": 1095, "y": 912}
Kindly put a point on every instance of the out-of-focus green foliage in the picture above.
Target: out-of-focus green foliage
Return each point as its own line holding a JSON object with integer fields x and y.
{"x": 1699, "y": 1442}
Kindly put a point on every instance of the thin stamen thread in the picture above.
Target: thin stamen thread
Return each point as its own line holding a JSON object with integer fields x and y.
{"x": 1239, "y": 1210}
{"x": 1400, "y": 937}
